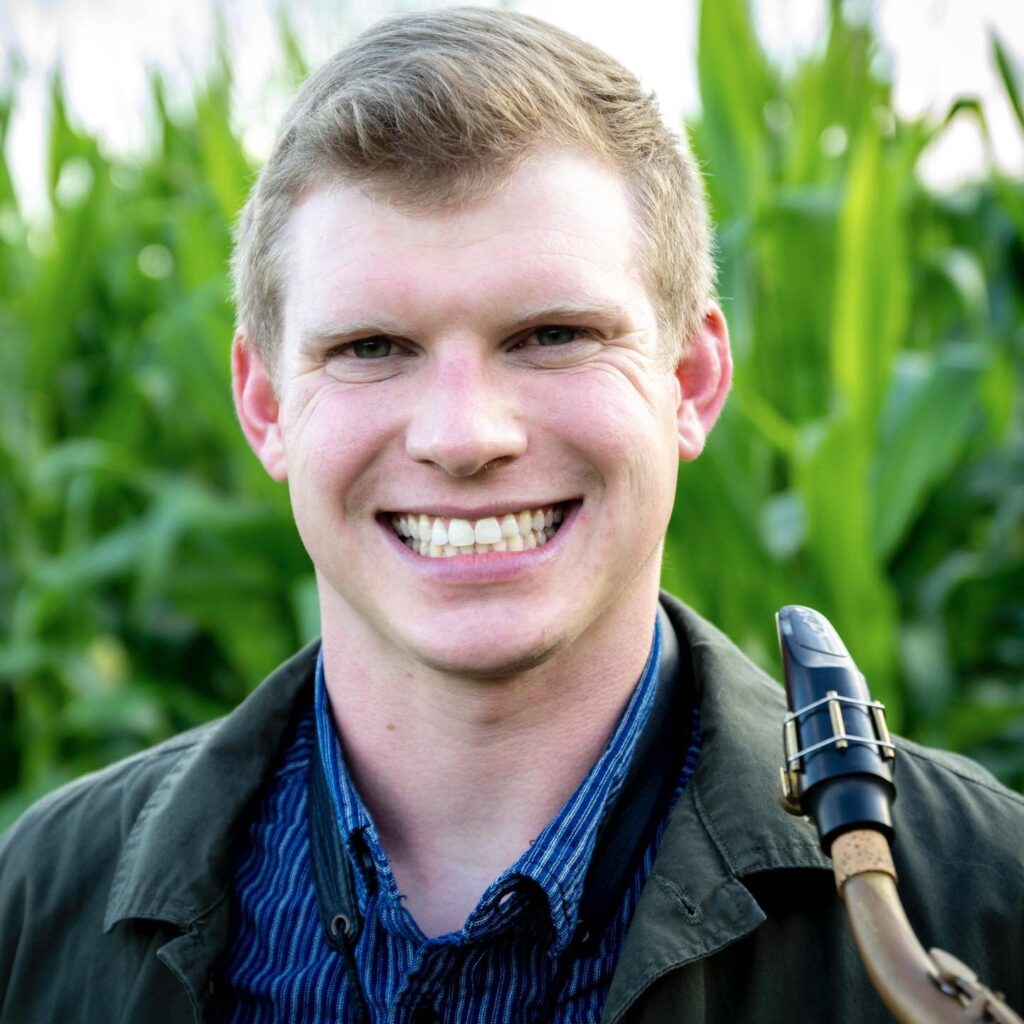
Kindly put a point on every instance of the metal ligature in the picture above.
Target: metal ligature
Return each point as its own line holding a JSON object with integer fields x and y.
{"x": 838, "y": 771}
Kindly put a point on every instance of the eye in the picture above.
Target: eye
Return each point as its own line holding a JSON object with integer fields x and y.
{"x": 377, "y": 347}
{"x": 366, "y": 360}
{"x": 555, "y": 334}
{"x": 555, "y": 345}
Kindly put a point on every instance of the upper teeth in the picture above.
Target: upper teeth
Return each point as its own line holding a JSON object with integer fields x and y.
{"x": 514, "y": 531}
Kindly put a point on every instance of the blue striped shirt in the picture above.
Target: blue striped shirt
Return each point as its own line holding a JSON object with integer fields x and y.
{"x": 517, "y": 956}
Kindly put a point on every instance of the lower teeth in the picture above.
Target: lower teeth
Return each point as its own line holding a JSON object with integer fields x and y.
{"x": 535, "y": 539}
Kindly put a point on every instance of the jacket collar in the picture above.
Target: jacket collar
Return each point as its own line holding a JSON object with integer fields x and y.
{"x": 728, "y": 823}
{"x": 175, "y": 865}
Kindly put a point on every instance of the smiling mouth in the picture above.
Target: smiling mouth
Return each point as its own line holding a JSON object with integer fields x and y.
{"x": 444, "y": 537}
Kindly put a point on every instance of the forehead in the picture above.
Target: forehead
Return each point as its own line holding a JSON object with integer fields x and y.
{"x": 560, "y": 229}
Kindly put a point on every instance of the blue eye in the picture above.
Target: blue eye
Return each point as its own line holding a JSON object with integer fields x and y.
{"x": 371, "y": 348}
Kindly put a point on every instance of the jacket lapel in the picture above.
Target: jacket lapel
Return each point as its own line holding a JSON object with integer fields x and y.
{"x": 175, "y": 866}
{"x": 727, "y": 824}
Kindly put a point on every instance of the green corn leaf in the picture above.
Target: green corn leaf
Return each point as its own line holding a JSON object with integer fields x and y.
{"x": 736, "y": 83}
{"x": 924, "y": 429}
{"x": 1011, "y": 76}
{"x": 832, "y": 478}
{"x": 872, "y": 286}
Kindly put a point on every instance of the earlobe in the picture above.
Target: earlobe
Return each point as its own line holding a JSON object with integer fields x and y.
{"x": 704, "y": 375}
{"x": 257, "y": 407}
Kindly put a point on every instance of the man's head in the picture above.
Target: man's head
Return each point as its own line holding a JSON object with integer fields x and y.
{"x": 435, "y": 110}
{"x": 463, "y": 376}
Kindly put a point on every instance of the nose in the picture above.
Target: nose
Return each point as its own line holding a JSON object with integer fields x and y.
{"x": 464, "y": 419}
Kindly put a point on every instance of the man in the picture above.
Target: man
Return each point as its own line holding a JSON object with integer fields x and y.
{"x": 476, "y": 336}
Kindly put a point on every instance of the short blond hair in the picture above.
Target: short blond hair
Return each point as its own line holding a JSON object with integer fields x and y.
{"x": 432, "y": 109}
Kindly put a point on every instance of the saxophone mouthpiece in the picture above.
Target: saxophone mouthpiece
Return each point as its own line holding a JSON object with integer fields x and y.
{"x": 838, "y": 753}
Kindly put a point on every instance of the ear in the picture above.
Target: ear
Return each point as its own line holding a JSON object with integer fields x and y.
{"x": 704, "y": 374}
{"x": 257, "y": 407}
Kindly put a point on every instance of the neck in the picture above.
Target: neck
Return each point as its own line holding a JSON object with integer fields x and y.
{"x": 460, "y": 774}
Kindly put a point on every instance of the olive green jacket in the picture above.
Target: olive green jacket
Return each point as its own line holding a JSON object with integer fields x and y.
{"x": 114, "y": 890}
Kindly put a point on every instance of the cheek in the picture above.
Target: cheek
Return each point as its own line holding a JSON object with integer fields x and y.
{"x": 618, "y": 425}
{"x": 332, "y": 441}
{"x": 641, "y": 457}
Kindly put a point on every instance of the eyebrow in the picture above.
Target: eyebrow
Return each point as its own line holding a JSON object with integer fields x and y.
{"x": 585, "y": 309}
{"x": 330, "y": 331}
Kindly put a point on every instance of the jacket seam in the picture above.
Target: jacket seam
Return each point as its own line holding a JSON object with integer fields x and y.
{"x": 973, "y": 780}
{"x": 120, "y": 771}
{"x": 709, "y": 826}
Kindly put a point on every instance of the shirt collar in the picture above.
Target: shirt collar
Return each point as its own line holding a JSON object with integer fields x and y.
{"x": 359, "y": 834}
{"x": 557, "y": 861}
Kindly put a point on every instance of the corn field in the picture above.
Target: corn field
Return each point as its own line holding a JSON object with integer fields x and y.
{"x": 870, "y": 462}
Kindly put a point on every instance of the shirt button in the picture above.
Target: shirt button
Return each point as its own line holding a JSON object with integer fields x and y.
{"x": 505, "y": 900}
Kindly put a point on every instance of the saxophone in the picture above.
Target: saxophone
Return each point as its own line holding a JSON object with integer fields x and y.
{"x": 838, "y": 771}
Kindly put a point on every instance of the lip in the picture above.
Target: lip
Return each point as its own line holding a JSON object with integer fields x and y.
{"x": 493, "y": 567}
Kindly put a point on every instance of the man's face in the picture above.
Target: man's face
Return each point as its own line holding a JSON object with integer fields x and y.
{"x": 480, "y": 439}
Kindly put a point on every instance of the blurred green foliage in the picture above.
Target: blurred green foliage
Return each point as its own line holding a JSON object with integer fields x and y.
{"x": 871, "y": 461}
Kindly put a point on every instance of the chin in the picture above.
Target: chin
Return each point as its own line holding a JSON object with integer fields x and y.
{"x": 474, "y": 661}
